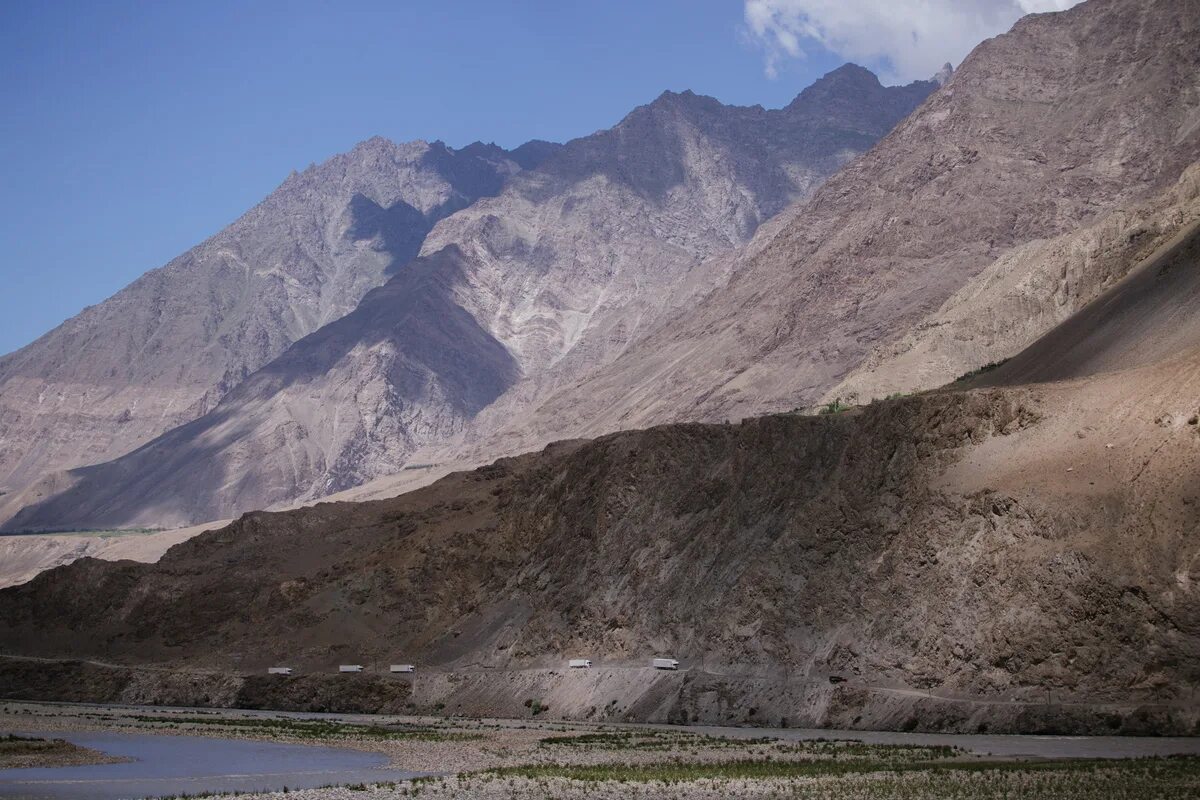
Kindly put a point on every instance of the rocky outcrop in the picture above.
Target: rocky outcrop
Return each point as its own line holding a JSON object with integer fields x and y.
{"x": 512, "y": 297}
{"x": 167, "y": 348}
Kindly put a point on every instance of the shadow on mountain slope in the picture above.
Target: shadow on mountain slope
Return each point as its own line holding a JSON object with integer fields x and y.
{"x": 433, "y": 348}
{"x": 1149, "y": 317}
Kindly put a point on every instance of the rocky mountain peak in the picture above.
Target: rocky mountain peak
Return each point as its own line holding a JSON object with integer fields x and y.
{"x": 852, "y": 97}
{"x": 943, "y": 75}
{"x": 846, "y": 79}
{"x": 378, "y": 144}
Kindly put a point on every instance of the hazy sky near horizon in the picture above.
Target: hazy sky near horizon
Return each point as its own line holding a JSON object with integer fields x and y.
{"x": 134, "y": 130}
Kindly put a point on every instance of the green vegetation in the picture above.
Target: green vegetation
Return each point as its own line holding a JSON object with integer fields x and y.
{"x": 100, "y": 534}
{"x": 966, "y": 376}
{"x": 679, "y": 740}
{"x": 11, "y": 743}
{"x": 631, "y": 740}
{"x": 836, "y": 407}
{"x": 536, "y": 706}
{"x": 316, "y": 728}
{"x": 1177, "y": 777}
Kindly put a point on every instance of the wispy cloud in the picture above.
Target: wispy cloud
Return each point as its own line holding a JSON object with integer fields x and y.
{"x": 904, "y": 39}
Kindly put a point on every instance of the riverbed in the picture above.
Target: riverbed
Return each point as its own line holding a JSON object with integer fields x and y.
{"x": 170, "y": 765}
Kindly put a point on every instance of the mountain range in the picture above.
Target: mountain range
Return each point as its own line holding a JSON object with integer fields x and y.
{"x": 167, "y": 348}
{"x": 907, "y": 444}
{"x": 549, "y": 274}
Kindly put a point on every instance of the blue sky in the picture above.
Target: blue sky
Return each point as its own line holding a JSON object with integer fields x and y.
{"x": 133, "y": 130}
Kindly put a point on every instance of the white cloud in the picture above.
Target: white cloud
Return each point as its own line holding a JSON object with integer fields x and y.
{"x": 904, "y": 39}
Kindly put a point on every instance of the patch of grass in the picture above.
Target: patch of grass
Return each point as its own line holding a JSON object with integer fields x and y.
{"x": 649, "y": 740}
{"x": 317, "y": 729}
{"x": 536, "y": 706}
{"x": 836, "y": 407}
{"x": 100, "y": 534}
{"x": 966, "y": 376}
{"x": 11, "y": 743}
{"x": 682, "y": 771}
{"x": 1139, "y": 778}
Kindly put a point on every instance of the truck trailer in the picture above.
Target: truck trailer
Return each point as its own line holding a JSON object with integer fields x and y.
{"x": 350, "y": 668}
{"x": 579, "y": 663}
{"x": 666, "y": 663}
{"x": 279, "y": 670}
{"x": 403, "y": 668}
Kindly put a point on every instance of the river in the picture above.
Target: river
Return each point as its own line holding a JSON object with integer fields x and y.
{"x": 167, "y": 765}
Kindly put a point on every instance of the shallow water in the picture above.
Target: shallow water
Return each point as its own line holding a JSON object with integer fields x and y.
{"x": 168, "y": 765}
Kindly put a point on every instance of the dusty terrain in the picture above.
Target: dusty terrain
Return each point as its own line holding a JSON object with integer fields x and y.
{"x": 1014, "y": 552}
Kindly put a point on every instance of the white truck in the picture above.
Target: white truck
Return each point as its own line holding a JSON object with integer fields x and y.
{"x": 579, "y": 663}
{"x": 279, "y": 670}
{"x": 350, "y": 668}
{"x": 666, "y": 663}
{"x": 403, "y": 668}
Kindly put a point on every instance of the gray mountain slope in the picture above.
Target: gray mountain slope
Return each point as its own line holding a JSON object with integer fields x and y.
{"x": 168, "y": 347}
{"x": 559, "y": 273}
{"x": 1067, "y": 118}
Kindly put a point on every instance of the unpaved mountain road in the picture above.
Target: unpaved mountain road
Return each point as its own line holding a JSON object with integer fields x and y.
{"x": 1052, "y": 697}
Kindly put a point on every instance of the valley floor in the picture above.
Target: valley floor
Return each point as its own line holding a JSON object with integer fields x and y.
{"x": 535, "y": 759}
{"x": 805, "y": 778}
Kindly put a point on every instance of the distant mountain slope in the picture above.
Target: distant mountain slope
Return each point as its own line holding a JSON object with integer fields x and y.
{"x": 522, "y": 292}
{"x": 168, "y": 347}
{"x": 1041, "y": 131}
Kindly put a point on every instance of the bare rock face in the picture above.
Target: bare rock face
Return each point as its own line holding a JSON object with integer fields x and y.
{"x": 1021, "y": 295}
{"x": 519, "y": 293}
{"x": 1040, "y": 132}
{"x": 899, "y": 549}
{"x": 167, "y": 348}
